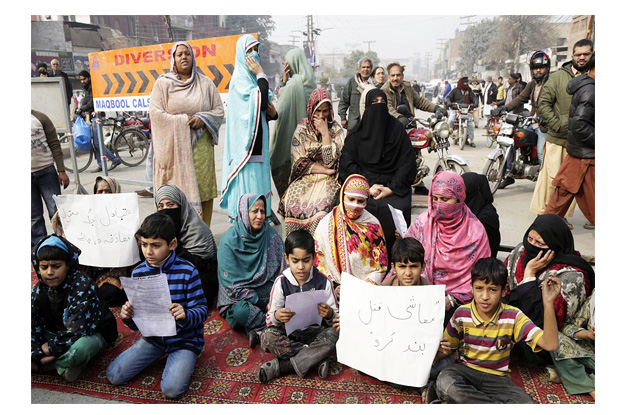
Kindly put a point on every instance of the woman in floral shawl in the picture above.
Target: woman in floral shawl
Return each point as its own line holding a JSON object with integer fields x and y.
{"x": 453, "y": 239}
{"x": 350, "y": 239}
{"x": 186, "y": 112}
{"x": 292, "y": 108}
{"x": 315, "y": 153}
{"x": 249, "y": 260}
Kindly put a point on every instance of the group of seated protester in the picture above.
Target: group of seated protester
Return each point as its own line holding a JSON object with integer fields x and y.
{"x": 540, "y": 300}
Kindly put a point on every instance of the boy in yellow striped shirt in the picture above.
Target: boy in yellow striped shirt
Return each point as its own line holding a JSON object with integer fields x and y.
{"x": 484, "y": 332}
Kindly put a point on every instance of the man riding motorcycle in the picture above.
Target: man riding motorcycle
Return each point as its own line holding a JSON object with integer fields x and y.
{"x": 462, "y": 94}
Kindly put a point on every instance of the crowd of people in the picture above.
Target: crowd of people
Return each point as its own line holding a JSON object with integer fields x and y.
{"x": 335, "y": 180}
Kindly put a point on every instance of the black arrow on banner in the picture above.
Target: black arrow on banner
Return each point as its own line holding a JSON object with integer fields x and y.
{"x": 154, "y": 74}
{"x": 121, "y": 83}
{"x": 230, "y": 69}
{"x": 145, "y": 81}
{"x": 109, "y": 84}
{"x": 133, "y": 82}
{"x": 218, "y": 76}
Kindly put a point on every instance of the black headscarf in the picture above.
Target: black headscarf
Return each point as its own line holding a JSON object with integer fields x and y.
{"x": 558, "y": 237}
{"x": 480, "y": 200}
{"x": 379, "y": 140}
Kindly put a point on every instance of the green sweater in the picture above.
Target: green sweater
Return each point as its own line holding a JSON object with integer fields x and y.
{"x": 554, "y": 104}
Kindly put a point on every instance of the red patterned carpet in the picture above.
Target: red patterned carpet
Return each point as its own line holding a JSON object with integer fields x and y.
{"x": 226, "y": 373}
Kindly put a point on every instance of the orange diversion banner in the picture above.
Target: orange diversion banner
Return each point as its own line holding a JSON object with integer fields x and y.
{"x": 122, "y": 79}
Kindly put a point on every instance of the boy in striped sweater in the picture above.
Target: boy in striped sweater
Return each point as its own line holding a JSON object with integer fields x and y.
{"x": 189, "y": 308}
{"x": 484, "y": 333}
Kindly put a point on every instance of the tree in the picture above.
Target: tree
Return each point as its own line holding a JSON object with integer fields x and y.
{"x": 263, "y": 25}
{"x": 520, "y": 34}
{"x": 477, "y": 40}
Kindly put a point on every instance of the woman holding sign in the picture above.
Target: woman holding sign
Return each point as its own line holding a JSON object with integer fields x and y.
{"x": 249, "y": 260}
{"x": 186, "y": 112}
{"x": 246, "y": 165}
{"x": 453, "y": 238}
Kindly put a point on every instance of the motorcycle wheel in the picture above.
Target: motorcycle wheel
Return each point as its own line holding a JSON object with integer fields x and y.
{"x": 453, "y": 166}
{"x": 491, "y": 137}
{"x": 462, "y": 133}
{"x": 494, "y": 172}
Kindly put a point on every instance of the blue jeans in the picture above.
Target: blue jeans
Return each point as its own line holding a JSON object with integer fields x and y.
{"x": 540, "y": 144}
{"x": 43, "y": 185}
{"x": 96, "y": 148}
{"x": 177, "y": 373}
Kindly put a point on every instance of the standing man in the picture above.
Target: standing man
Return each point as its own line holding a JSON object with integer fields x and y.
{"x": 513, "y": 91}
{"x": 56, "y": 71}
{"x": 553, "y": 107}
{"x": 490, "y": 94}
{"x": 576, "y": 177}
{"x": 84, "y": 110}
{"x": 476, "y": 87}
{"x": 45, "y": 152}
{"x": 399, "y": 92}
{"x": 436, "y": 93}
{"x": 501, "y": 89}
{"x": 350, "y": 99}
{"x": 447, "y": 90}
{"x": 462, "y": 94}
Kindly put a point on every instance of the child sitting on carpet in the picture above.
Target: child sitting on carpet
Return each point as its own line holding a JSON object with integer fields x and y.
{"x": 485, "y": 331}
{"x": 310, "y": 346}
{"x": 70, "y": 323}
{"x": 579, "y": 338}
{"x": 189, "y": 308}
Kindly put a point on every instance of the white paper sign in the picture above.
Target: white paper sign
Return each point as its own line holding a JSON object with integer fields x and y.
{"x": 150, "y": 300}
{"x": 399, "y": 220}
{"x": 102, "y": 226}
{"x": 390, "y": 333}
{"x": 304, "y": 305}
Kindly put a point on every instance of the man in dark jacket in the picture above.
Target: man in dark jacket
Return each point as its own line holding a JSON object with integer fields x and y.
{"x": 514, "y": 90}
{"x": 350, "y": 99}
{"x": 553, "y": 107}
{"x": 56, "y": 69}
{"x": 576, "y": 177}
{"x": 462, "y": 94}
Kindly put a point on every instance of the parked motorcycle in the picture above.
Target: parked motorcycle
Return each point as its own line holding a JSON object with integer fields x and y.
{"x": 433, "y": 134}
{"x": 515, "y": 156}
{"x": 461, "y": 122}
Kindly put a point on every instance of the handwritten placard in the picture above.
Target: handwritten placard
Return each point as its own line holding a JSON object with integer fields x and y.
{"x": 102, "y": 226}
{"x": 390, "y": 333}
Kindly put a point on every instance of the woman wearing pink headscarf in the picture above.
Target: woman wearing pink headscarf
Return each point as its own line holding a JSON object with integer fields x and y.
{"x": 453, "y": 238}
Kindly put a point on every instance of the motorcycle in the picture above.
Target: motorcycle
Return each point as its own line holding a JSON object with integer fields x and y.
{"x": 461, "y": 122}
{"x": 433, "y": 134}
{"x": 516, "y": 155}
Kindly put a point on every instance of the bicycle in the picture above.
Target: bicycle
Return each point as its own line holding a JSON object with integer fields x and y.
{"x": 130, "y": 144}
{"x": 492, "y": 129}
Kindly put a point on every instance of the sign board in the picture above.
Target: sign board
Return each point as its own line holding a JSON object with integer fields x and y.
{"x": 122, "y": 79}
{"x": 47, "y": 95}
{"x": 47, "y": 56}
{"x": 102, "y": 226}
{"x": 391, "y": 333}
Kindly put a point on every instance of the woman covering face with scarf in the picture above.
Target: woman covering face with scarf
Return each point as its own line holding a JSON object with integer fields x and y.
{"x": 453, "y": 238}
{"x": 315, "y": 151}
{"x": 350, "y": 239}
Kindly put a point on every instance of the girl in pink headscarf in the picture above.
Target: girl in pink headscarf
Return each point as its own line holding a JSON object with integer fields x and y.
{"x": 453, "y": 238}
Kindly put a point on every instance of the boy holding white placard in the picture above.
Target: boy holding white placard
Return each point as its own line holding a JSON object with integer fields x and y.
{"x": 310, "y": 346}
{"x": 189, "y": 309}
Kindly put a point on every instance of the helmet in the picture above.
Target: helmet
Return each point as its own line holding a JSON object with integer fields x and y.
{"x": 538, "y": 60}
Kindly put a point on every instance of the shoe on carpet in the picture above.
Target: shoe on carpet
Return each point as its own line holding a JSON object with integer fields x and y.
{"x": 505, "y": 183}
{"x": 553, "y": 375}
{"x": 569, "y": 224}
{"x": 269, "y": 370}
{"x": 144, "y": 193}
{"x": 253, "y": 338}
{"x": 430, "y": 392}
{"x": 73, "y": 373}
{"x": 323, "y": 368}
{"x": 588, "y": 225}
{"x": 115, "y": 165}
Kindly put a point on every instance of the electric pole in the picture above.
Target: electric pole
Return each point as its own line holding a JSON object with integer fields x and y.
{"x": 369, "y": 42}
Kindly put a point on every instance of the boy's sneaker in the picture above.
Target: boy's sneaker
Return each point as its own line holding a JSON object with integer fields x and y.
{"x": 73, "y": 373}
{"x": 253, "y": 338}
{"x": 269, "y": 370}
{"x": 323, "y": 368}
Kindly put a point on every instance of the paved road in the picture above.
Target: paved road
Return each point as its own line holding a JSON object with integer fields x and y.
{"x": 512, "y": 205}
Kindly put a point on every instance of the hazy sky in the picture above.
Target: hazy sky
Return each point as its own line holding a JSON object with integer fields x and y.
{"x": 394, "y": 36}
